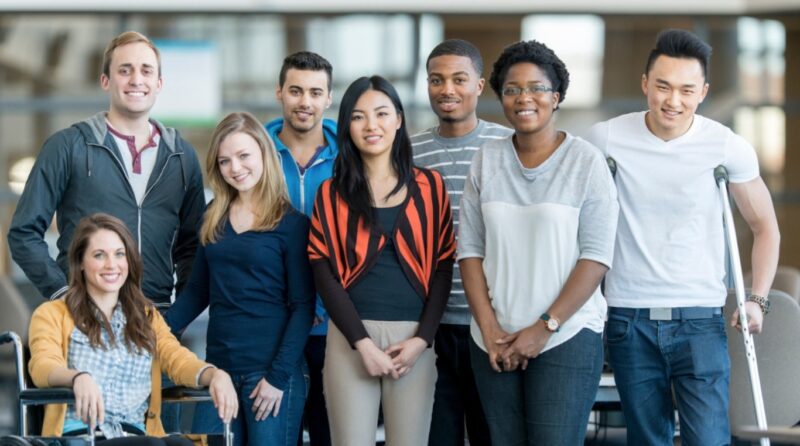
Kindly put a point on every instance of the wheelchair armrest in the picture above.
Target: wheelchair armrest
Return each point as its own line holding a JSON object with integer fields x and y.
{"x": 181, "y": 393}
{"x": 6, "y": 337}
{"x": 50, "y": 395}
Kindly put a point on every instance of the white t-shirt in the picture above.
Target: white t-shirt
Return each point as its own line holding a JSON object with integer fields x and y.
{"x": 670, "y": 247}
{"x": 531, "y": 226}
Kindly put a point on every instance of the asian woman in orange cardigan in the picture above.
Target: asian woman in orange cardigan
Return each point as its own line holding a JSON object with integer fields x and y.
{"x": 381, "y": 247}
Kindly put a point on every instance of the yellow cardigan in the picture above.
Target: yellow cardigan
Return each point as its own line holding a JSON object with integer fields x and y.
{"x": 49, "y": 333}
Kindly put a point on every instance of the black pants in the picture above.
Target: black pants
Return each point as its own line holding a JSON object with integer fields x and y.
{"x": 316, "y": 414}
{"x": 456, "y": 396}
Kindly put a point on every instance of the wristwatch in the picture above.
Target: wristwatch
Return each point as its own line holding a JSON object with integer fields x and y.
{"x": 550, "y": 323}
{"x": 762, "y": 302}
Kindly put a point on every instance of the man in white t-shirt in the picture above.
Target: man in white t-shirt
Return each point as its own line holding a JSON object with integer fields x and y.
{"x": 665, "y": 326}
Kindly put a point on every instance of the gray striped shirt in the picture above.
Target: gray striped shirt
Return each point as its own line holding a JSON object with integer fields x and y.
{"x": 452, "y": 158}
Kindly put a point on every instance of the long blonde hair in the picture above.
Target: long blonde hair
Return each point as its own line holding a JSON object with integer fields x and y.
{"x": 270, "y": 193}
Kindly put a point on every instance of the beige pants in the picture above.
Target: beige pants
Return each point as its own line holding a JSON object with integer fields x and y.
{"x": 353, "y": 397}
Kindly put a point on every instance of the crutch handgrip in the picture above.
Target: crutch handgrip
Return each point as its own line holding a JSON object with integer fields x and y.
{"x": 612, "y": 166}
{"x": 721, "y": 173}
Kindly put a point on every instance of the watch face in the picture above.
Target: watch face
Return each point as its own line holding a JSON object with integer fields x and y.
{"x": 552, "y": 324}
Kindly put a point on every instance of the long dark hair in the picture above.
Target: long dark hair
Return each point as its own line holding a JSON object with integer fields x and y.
{"x": 349, "y": 178}
{"x": 135, "y": 306}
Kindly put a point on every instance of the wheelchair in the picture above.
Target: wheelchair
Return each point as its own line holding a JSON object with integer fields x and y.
{"x": 28, "y": 395}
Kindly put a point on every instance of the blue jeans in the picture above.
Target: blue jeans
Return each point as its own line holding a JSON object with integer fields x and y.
{"x": 651, "y": 358}
{"x": 456, "y": 397}
{"x": 273, "y": 431}
{"x": 549, "y": 402}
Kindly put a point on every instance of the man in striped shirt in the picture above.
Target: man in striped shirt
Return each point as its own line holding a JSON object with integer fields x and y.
{"x": 454, "y": 85}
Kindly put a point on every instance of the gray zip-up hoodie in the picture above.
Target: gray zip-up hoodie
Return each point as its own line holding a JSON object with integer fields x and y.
{"x": 80, "y": 172}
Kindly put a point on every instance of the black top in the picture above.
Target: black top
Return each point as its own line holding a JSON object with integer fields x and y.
{"x": 384, "y": 292}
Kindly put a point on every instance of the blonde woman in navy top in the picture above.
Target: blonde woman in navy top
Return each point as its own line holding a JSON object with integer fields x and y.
{"x": 253, "y": 274}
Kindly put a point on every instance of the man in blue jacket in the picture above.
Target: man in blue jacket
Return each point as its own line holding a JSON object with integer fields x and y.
{"x": 307, "y": 146}
{"x": 122, "y": 163}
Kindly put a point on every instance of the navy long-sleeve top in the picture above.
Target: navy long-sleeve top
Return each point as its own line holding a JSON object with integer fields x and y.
{"x": 260, "y": 293}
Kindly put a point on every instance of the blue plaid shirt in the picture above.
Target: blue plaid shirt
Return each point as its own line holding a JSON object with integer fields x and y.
{"x": 123, "y": 376}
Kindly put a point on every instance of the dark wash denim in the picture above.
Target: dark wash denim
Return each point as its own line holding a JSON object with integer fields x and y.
{"x": 273, "y": 431}
{"x": 549, "y": 402}
{"x": 651, "y": 358}
{"x": 456, "y": 396}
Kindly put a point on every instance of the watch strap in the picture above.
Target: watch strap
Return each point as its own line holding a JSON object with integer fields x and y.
{"x": 549, "y": 321}
{"x": 762, "y": 302}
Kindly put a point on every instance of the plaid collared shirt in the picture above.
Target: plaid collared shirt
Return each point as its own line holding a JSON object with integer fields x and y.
{"x": 123, "y": 375}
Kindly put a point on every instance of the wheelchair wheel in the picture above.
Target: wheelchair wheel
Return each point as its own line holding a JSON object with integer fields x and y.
{"x": 14, "y": 440}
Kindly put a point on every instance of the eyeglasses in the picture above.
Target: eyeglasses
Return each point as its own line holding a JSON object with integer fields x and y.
{"x": 535, "y": 90}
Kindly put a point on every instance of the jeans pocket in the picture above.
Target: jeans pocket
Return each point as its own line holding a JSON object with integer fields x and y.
{"x": 707, "y": 326}
{"x": 617, "y": 329}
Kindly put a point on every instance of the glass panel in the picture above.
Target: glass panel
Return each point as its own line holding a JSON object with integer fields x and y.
{"x": 583, "y": 57}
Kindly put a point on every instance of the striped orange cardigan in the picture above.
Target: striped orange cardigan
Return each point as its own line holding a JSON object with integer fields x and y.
{"x": 423, "y": 236}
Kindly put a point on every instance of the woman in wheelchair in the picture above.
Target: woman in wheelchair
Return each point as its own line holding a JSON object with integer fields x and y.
{"x": 108, "y": 343}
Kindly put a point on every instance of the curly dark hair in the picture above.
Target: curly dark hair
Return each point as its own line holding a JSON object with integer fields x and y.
{"x": 536, "y": 53}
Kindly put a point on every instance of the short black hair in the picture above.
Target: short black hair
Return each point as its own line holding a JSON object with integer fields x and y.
{"x": 305, "y": 60}
{"x": 682, "y": 44}
{"x": 457, "y": 47}
{"x": 536, "y": 53}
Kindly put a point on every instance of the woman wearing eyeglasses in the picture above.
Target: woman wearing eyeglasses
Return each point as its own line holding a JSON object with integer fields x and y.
{"x": 538, "y": 219}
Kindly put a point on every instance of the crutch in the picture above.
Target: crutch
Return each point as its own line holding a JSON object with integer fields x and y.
{"x": 721, "y": 177}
